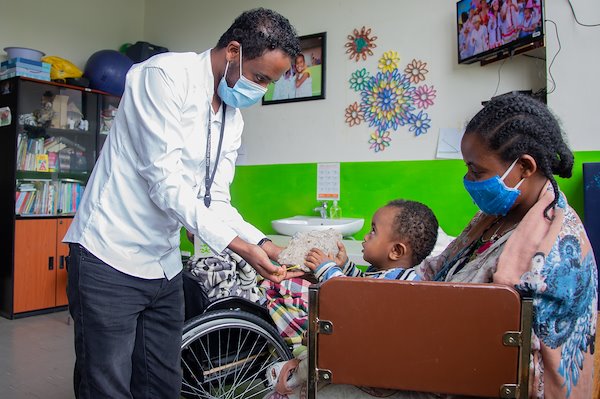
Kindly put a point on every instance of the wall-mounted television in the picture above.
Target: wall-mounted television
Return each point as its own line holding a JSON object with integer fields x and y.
{"x": 488, "y": 28}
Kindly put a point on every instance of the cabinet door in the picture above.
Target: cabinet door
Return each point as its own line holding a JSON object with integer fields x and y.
{"x": 62, "y": 250}
{"x": 35, "y": 264}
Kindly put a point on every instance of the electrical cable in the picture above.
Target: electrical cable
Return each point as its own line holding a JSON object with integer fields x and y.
{"x": 575, "y": 16}
{"x": 553, "y": 58}
{"x": 498, "y": 85}
{"x": 534, "y": 57}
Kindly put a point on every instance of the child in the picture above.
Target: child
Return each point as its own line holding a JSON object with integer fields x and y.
{"x": 284, "y": 88}
{"x": 528, "y": 25}
{"x": 493, "y": 27}
{"x": 509, "y": 21}
{"x": 402, "y": 234}
{"x": 463, "y": 37}
{"x": 479, "y": 36}
{"x": 303, "y": 79}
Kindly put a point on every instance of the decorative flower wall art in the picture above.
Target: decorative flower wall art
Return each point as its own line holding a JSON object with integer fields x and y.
{"x": 354, "y": 115}
{"x": 389, "y": 61}
{"x": 416, "y": 71}
{"x": 360, "y": 44}
{"x": 392, "y": 97}
{"x": 379, "y": 140}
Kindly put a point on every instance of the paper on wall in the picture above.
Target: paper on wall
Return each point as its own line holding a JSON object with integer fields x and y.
{"x": 449, "y": 143}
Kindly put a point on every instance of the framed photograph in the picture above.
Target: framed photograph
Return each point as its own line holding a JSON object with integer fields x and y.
{"x": 306, "y": 79}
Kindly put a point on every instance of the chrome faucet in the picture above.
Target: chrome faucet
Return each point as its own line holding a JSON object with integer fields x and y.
{"x": 322, "y": 210}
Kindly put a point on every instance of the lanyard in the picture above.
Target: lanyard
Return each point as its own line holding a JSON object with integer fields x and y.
{"x": 209, "y": 178}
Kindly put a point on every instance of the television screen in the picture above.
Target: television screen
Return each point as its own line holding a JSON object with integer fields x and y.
{"x": 488, "y": 27}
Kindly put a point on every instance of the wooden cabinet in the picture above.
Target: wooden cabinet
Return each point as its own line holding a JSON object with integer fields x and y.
{"x": 62, "y": 251}
{"x": 40, "y": 275}
{"x": 50, "y": 136}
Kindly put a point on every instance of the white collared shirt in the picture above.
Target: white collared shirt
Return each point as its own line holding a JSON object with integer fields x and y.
{"x": 146, "y": 182}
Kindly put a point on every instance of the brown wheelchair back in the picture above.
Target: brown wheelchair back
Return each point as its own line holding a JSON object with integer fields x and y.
{"x": 453, "y": 338}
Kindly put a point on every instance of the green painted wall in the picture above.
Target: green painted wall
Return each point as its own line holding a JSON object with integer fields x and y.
{"x": 262, "y": 193}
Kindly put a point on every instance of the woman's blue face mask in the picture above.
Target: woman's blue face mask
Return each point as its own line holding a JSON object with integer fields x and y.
{"x": 492, "y": 195}
{"x": 244, "y": 93}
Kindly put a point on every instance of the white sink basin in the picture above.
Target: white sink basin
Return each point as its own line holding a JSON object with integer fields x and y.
{"x": 295, "y": 224}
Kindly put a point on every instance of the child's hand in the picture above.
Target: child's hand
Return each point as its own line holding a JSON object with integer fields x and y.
{"x": 315, "y": 257}
{"x": 342, "y": 257}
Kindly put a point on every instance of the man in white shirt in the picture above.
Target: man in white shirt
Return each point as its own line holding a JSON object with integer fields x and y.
{"x": 168, "y": 162}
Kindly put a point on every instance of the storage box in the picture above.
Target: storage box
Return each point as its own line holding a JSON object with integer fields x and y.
{"x": 60, "y": 107}
{"x": 24, "y": 67}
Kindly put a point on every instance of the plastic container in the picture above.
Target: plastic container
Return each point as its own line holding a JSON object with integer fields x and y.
{"x": 24, "y": 52}
{"x": 24, "y": 67}
{"x": 335, "y": 212}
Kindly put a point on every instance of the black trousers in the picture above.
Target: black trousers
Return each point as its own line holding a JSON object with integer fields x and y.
{"x": 127, "y": 331}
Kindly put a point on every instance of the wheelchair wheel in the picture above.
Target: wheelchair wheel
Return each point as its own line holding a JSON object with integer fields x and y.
{"x": 225, "y": 355}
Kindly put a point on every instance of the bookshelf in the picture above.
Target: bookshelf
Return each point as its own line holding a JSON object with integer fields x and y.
{"x": 50, "y": 137}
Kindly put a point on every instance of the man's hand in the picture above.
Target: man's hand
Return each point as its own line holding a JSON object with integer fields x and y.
{"x": 258, "y": 259}
{"x": 190, "y": 235}
{"x": 272, "y": 250}
{"x": 315, "y": 257}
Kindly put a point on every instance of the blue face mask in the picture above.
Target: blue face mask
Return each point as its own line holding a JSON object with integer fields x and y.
{"x": 492, "y": 195}
{"x": 244, "y": 93}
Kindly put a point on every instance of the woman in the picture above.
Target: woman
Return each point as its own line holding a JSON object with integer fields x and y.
{"x": 527, "y": 236}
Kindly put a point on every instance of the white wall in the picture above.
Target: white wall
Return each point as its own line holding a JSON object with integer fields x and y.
{"x": 71, "y": 29}
{"x": 576, "y": 70}
{"x": 316, "y": 130}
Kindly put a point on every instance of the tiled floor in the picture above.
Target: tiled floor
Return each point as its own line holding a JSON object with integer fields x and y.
{"x": 37, "y": 357}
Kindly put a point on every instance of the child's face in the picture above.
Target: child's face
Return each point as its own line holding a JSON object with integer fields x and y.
{"x": 300, "y": 65}
{"x": 379, "y": 242}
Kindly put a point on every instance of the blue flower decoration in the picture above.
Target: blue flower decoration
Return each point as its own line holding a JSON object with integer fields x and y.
{"x": 387, "y": 100}
{"x": 420, "y": 123}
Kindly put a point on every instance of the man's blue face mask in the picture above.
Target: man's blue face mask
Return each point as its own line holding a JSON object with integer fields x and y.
{"x": 492, "y": 195}
{"x": 244, "y": 93}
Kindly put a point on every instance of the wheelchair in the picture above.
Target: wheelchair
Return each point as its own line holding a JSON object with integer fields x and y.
{"x": 227, "y": 350}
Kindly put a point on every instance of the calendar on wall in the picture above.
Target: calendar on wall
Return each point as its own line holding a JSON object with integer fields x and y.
{"x": 328, "y": 181}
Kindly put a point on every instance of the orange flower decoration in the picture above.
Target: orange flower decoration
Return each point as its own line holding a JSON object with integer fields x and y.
{"x": 360, "y": 44}
{"x": 415, "y": 71}
{"x": 354, "y": 116}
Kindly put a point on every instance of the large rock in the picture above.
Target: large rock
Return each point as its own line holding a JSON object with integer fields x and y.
{"x": 301, "y": 243}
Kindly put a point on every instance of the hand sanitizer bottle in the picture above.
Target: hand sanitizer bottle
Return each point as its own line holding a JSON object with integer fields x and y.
{"x": 335, "y": 212}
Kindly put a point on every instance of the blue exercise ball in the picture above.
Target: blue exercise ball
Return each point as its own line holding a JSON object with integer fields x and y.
{"x": 106, "y": 70}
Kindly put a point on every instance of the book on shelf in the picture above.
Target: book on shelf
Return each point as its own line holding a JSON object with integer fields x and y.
{"x": 64, "y": 161}
{"x": 69, "y": 195}
{"x": 46, "y": 155}
{"x": 36, "y": 197}
{"x": 54, "y": 144}
{"x": 41, "y": 163}
{"x": 52, "y": 161}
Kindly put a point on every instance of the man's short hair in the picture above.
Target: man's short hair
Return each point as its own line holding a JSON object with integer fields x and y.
{"x": 260, "y": 30}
